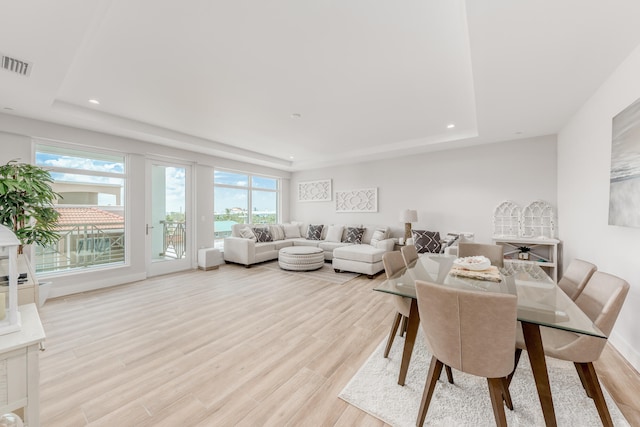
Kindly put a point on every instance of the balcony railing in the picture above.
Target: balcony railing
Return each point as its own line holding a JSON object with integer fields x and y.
{"x": 174, "y": 238}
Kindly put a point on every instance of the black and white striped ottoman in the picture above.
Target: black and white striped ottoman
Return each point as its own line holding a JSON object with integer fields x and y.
{"x": 301, "y": 258}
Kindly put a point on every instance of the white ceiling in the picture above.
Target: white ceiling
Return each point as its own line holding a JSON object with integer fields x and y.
{"x": 369, "y": 79}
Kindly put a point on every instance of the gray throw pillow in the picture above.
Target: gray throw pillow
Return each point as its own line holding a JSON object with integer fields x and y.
{"x": 314, "y": 232}
{"x": 262, "y": 234}
{"x": 426, "y": 241}
{"x": 354, "y": 235}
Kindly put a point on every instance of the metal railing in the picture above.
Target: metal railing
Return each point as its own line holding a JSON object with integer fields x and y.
{"x": 174, "y": 238}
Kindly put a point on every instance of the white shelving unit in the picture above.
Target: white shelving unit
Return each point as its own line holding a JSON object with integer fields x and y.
{"x": 543, "y": 252}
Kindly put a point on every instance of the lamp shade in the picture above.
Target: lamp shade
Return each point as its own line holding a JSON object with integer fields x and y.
{"x": 409, "y": 215}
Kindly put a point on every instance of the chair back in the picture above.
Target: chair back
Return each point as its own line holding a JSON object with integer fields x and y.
{"x": 576, "y": 277}
{"x": 602, "y": 299}
{"x": 409, "y": 253}
{"x": 495, "y": 253}
{"x": 393, "y": 262}
{"x": 471, "y": 331}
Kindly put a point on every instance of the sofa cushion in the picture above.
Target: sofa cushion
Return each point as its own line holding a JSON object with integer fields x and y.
{"x": 262, "y": 247}
{"x": 426, "y": 241}
{"x": 305, "y": 242}
{"x": 354, "y": 235}
{"x": 330, "y": 246}
{"x": 334, "y": 233}
{"x": 314, "y": 232}
{"x": 262, "y": 234}
{"x": 247, "y": 233}
{"x": 277, "y": 232}
{"x": 283, "y": 244}
{"x": 291, "y": 231}
{"x": 361, "y": 253}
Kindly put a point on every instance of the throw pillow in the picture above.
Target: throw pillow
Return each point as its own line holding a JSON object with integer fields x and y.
{"x": 334, "y": 233}
{"x": 314, "y": 232}
{"x": 262, "y": 234}
{"x": 426, "y": 241}
{"x": 277, "y": 233}
{"x": 247, "y": 233}
{"x": 291, "y": 231}
{"x": 354, "y": 235}
{"x": 378, "y": 235}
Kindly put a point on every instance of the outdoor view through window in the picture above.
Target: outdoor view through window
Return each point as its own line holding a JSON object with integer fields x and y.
{"x": 241, "y": 198}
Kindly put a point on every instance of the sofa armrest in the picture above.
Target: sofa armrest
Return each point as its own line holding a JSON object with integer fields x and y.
{"x": 386, "y": 244}
{"x": 239, "y": 250}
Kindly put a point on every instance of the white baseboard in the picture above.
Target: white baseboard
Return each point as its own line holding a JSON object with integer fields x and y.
{"x": 60, "y": 289}
{"x": 626, "y": 350}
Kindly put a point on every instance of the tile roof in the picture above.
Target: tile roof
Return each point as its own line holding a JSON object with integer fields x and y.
{"x": 70, "y": 217}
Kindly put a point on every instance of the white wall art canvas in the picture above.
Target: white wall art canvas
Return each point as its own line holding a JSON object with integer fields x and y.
{"x": 314, "y": 191}
{"x": 624, "y": 186}
{"x": 364, "y": 200}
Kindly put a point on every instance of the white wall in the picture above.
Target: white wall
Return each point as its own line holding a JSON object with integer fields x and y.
{"x": 453, "y": 190}
{"x": 16, "y": 135}
{"x": 584, "y": 160}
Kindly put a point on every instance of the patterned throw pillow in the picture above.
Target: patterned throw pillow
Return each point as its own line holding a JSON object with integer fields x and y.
{"x": 314, "y": 232}
{"x": 426, "y": 241}
{"x": 262, "y": 234}
{"x": 354, "y": 235}
{"x": 247, "y": 233}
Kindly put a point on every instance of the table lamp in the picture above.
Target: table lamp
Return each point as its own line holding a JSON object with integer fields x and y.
{"x": 408, "y": 216}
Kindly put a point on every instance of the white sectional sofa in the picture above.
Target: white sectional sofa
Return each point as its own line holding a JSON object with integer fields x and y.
{"x": 244, "y": 246}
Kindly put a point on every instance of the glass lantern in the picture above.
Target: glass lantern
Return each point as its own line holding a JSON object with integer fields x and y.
{"x": 9, "y": 316}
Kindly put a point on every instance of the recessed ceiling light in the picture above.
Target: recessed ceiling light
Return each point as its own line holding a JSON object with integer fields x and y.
{"x": 291, "y": 157}
{"x": 94, "y": 101}
{"x": 519, "y": 133}
{"x": 296, "y": 115}
{"x": 451, "y": 126}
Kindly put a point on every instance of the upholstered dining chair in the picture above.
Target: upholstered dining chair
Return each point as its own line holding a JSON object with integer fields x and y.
{"x": 576, "y": 277}
{"x": 471, "y": 331}
{"x": 393, "y": 262}
{"x": 409, "y": 253}
{"x": 601, "y": 300}
{"x": 495, "y": 253}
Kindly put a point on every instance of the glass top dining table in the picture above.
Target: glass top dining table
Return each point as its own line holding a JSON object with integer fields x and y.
{"x": 541, "y": 302}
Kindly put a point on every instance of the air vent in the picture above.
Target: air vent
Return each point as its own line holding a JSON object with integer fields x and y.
{"x": 15, "y": 65}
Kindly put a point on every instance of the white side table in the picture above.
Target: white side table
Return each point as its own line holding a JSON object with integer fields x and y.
{"x": 20, "y": 368}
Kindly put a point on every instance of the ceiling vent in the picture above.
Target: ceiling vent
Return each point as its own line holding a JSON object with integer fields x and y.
{"x": 15, "y": 65}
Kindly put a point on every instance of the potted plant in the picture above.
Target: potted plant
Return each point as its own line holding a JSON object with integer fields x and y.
{"x": 26, "y": 203}
{"x": 524, "y": 252}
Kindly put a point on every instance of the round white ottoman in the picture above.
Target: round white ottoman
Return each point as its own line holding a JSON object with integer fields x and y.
{"x": 301, "y": 258}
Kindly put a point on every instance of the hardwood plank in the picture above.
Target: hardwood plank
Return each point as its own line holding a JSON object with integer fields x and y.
{"x": 226, "y": 347}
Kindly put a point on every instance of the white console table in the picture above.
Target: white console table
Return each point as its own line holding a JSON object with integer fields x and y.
{"x": 543, "y": 252}
{"x": 20, "y": 369}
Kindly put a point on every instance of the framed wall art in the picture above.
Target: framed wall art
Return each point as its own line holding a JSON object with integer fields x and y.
{"x": 314, "y": 191}
{"x": 363, "y": 200}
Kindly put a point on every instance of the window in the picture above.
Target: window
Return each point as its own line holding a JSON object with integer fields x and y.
{"x": 240, "y": 198}
{"x": 91, "y": 207}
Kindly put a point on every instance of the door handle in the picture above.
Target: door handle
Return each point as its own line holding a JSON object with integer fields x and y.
{"x": 147, "y": 229}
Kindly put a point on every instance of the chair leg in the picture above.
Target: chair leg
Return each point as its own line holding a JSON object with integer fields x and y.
{"x": 591, "y": 378}
{"x": 583, "y": 380}
{"x": 495, "y": 391}
{"x": 392, "y": 334}
{"x": 405, "y": 322}
{"x": 447, "y": 368}
{"x": 435, "y": 368}
{"x": 506, "y": 395}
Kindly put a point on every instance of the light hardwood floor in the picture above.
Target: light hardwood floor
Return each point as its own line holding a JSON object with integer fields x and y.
{"x": 228, "y": 347}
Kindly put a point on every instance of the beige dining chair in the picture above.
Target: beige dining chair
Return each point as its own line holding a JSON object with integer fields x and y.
{"x": 393, "y": 262}
{"x": 576, "y": 277}
{"x": 495, "y": 253}
{"x": 471, "y": 331}
{"x": 409, "y": 253}
{"x": 601, "y": 300}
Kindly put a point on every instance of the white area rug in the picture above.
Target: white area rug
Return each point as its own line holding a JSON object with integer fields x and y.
{"x": 375, "y": 390}
{"x": 325, "y": 273}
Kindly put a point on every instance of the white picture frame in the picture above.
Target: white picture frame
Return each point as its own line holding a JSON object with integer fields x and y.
{"x": 314, "y": 191}
{"x": 360, "y": 200}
